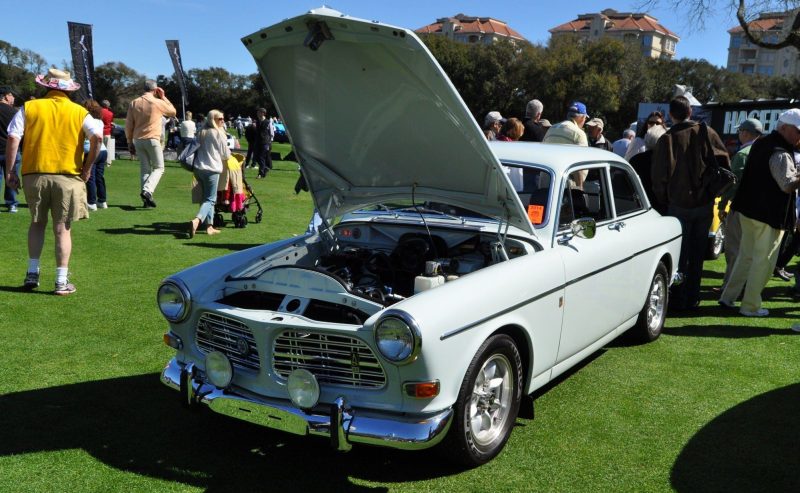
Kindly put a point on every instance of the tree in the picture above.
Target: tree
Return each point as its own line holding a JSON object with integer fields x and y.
{"x": 118, "y": 83}
{"x": 746, "y": 12}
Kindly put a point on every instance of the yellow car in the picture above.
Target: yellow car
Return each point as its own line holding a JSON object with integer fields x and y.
{"x": 716, "y": 235}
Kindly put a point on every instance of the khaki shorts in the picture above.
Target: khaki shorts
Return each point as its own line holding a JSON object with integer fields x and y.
{"x": 64, "y": 196}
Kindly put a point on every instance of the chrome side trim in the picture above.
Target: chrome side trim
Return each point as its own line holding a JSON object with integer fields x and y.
{"x": 338, "y": 422}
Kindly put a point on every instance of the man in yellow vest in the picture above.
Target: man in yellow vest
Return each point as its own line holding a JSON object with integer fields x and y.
{"x": 54, "y": 169}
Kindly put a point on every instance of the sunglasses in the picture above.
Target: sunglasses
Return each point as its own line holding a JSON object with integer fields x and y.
{"x": 654, "y": 123}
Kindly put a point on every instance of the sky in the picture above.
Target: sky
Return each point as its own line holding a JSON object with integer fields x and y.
{"x": 209, "y": 32}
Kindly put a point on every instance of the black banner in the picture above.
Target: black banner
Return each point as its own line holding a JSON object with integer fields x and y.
{"x": 80, "y": 42}
{"x": 175, "y": 54}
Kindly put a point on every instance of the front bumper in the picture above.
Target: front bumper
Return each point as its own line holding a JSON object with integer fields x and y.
{"x": 342, "y": 424}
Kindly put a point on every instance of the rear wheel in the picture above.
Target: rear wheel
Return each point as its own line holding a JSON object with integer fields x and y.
{"x": 488, "y": 403}
{"x": 651, "y": 319}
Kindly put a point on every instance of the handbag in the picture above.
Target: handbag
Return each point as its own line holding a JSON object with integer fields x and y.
{"x": 186, "y": 157}
{"x": 715, "y": 180}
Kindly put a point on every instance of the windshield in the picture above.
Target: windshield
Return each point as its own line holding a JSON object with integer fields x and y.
{"x": 531, "y": 184}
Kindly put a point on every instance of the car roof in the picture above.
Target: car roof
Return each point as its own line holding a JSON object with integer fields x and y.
{"x": 558, "y": 157}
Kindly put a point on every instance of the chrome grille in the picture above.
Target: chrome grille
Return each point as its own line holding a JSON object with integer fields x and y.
{"x": 333, "y": 359}
{"x": 230, "y": 337}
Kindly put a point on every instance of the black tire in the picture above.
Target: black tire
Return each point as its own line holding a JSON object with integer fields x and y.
{"x": 259, "y": 214}
{"x": 219, "y": 221}
{"x": 716, "y": 244}
{"x": 654, "y": 312}
{"x": 475, "y": 437}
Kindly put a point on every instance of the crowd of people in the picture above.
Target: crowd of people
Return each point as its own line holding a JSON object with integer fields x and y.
{"x": 58, "y": 150}
{"x": 62, "y": 169}
{"x": 760, "y": 212}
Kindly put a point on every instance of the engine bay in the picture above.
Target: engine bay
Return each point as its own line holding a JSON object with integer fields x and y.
{"x": 381, "y": 263}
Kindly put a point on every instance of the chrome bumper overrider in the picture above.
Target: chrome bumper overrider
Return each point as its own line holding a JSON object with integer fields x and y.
{"x": 342, "y": 425}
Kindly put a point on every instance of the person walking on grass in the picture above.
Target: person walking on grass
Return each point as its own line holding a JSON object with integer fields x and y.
{"x": 54, "y": 169}
{"x": 208, "y": 164}
{"x": 143, "y": 128}
{"x": 765, "y": 202}
{"x": 7, "y": 111}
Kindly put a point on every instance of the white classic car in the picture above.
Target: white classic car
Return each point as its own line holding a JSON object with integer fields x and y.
{"x": 451, "y": 277}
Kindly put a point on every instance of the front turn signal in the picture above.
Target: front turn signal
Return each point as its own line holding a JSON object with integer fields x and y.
{"x": 422, "y": 390}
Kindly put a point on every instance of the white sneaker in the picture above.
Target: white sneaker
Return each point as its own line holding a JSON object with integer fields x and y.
{"x": 761, "y": 312}
{"x": 102, "y": 205}
{"x": 92, "y": 207}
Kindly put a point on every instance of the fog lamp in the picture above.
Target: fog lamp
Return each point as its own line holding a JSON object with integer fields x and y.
{"x": 218, "y": 369}
{"x": 303, "y": 389}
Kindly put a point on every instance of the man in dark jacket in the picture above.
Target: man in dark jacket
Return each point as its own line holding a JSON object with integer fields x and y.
{"x": 534, "y": 129}
{"x": 265, "y": 131}
{"x": 678, "y": 164}
{"x": 765, "y": 202}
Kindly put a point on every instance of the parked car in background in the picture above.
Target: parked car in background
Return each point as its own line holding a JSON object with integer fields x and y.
{"x": 716, "y": 235}
{"x": 120, "y": 141}
{"x": 280, "y": 133}
{"x": 450, "y": 278}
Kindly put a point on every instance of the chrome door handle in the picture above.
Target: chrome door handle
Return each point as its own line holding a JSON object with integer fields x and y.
{"x": 617, "y": 226}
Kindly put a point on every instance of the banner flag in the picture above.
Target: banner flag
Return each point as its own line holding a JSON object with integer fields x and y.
{"x": 80, "y": 42}
{"x": 175, "y": 54}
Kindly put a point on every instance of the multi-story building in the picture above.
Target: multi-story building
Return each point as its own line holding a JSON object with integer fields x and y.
{"x": 747, "y": 58}
{"x": 469, "y": 29}
{"x": 656, "y": 40}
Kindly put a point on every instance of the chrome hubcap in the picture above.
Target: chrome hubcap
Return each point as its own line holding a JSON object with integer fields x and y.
{"x": 490, "y": 403}
{"x": 656, "y": 303}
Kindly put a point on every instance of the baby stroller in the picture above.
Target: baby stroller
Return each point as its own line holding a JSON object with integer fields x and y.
{"x": 235, "y": 195}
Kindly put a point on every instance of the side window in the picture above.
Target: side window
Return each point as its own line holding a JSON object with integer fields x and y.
{"x": 585, "y": 195}
{"x": 626, "y": 196}
{"x": 533, "y": 188}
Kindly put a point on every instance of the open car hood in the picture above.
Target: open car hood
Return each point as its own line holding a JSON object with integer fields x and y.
{"x": 374, "y": 119}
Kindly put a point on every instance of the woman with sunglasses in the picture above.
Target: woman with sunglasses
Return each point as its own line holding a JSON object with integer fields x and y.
{"x": 213, "y": 151}
{"x": 637, "y": 145}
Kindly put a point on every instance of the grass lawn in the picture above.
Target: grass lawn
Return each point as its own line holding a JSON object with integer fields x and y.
{"x": 711, "y": 406}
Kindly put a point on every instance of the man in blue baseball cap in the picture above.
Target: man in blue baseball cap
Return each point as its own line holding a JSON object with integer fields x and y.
{"x": 570, "y": 131}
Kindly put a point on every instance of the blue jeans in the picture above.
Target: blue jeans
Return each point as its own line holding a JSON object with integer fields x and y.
{"x": 208, "y": 181}
{"x": 96, "y": 185}
{"x": 9, "y": 194}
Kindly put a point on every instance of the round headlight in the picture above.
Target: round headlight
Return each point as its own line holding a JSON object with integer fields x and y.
{"x": 173, "y": 300}
{"x": 397, "y": 339}
{"x": 218, "y": 369}
{"x": 303, "y": 388}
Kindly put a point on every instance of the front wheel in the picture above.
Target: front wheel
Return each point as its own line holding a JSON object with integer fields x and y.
{"x": 651, "y": 319}
{"x": 488, "y": 403}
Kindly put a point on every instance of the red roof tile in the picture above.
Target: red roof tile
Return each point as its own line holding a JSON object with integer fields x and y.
{"x": 621, "y": 22}
{"x": 477, "y": 25}
{"x": 759, "y": 25}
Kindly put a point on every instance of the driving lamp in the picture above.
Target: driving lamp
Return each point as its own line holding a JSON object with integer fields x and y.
{"x": 218, "y": 369}
{"x": 303, "y": 389}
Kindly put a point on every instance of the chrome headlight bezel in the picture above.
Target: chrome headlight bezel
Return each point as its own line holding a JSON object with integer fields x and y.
{"x": 415, "y": 335}
{"x": 180, "y": 288}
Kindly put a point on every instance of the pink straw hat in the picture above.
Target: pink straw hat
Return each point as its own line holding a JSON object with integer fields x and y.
{"x": 57, "y": 79}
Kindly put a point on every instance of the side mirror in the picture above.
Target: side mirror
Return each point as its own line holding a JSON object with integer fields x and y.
{"x": 584, "y": 227}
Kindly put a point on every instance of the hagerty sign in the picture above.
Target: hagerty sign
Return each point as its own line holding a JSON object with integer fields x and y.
{"x": 725, "y": 117}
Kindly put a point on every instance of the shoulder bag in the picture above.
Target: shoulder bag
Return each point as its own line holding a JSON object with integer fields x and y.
{"x": 715, "y": 179}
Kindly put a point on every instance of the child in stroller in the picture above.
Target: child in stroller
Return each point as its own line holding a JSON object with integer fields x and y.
{"x": 235, "y": 195}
